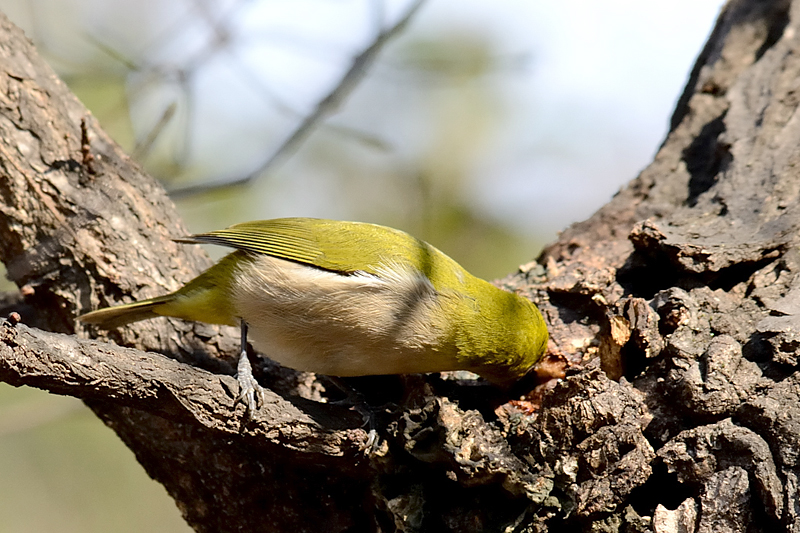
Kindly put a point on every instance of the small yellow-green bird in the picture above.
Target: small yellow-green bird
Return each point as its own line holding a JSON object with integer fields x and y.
{"x": 349, "y": 299}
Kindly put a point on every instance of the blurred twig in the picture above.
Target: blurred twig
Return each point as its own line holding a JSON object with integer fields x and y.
{"x": 144, "y": 146}
{"x": 324, "y": 108}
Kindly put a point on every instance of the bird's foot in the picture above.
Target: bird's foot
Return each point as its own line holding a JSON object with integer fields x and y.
{"x": 356, "y": 402}
{"x": 251, "y": 394}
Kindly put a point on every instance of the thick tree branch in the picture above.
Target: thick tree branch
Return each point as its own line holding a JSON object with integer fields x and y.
{"x": 95, "y": 370}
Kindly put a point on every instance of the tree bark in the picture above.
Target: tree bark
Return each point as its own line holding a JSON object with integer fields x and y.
{"x": 675, "y": 308}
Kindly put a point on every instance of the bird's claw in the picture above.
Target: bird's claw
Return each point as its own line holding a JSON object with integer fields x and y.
{"x": 373, "y": 438}
{"x": 373, "y": 442}
{"x": 250, "y": 392}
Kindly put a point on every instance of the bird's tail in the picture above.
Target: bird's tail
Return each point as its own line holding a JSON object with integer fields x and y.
{"x": 114, "y": 317}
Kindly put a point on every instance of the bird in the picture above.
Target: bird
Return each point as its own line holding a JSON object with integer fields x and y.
{"x": 349, "y": 299}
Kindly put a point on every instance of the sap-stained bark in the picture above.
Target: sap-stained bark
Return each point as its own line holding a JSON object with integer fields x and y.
{"x": 686, "y": 286}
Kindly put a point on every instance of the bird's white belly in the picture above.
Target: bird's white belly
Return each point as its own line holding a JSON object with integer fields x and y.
{"x": 343, "y": 325}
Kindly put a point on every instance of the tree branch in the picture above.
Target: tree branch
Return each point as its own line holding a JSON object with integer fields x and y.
{"x": 94, "y": 370}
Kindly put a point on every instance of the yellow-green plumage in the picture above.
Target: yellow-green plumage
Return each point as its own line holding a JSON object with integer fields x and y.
{"x": 348, "y": 298}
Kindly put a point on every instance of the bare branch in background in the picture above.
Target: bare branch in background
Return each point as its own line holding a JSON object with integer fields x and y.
{"x": 328, "y": 105}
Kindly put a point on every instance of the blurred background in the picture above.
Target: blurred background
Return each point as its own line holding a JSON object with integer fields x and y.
{"x": 481, "y": 127}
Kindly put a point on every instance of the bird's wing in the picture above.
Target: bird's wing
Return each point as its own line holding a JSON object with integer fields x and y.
{"x": 345, "y": 247}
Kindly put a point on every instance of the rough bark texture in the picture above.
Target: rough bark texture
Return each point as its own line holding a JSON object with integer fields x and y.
{"x": 676, "y": 307}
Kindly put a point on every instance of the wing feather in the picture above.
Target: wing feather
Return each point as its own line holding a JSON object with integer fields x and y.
{"x": 345, "y": 247}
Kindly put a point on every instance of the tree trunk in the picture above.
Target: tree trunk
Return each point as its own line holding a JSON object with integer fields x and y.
{"x": 676, "y": 309}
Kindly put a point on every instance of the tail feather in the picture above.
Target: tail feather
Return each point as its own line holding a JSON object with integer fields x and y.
{"x": 114, "y": 317}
